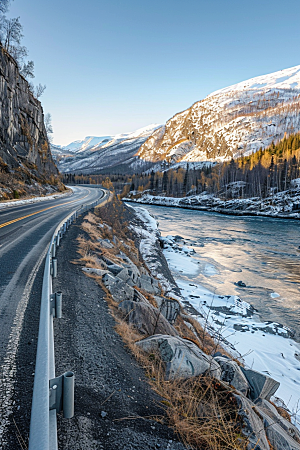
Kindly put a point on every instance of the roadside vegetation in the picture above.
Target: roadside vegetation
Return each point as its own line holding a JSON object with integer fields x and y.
{"x": 202, "y": 410}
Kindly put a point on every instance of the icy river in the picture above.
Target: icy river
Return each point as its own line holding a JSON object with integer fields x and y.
{"x": 218, "y": 251}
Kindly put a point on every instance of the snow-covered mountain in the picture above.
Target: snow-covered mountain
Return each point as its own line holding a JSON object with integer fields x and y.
{"x": 233, "y": 121}
{"x": 114, "y": 154}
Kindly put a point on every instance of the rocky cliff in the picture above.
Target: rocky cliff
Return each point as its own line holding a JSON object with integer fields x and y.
{"x": 25, "y": 156}
{"x": 234, "y": 121}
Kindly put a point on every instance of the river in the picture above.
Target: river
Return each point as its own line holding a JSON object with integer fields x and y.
{"x": 262, "y": 252}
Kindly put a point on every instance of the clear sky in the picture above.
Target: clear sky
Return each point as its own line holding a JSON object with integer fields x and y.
{"x": 113, "y": 66}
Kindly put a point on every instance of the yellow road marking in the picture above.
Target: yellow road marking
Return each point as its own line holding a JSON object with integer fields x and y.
{"x": 37, "y": 212}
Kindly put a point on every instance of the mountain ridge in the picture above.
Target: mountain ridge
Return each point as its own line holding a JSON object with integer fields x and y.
{"x": 231, "y": 121}
{"x": 118, "y": 154}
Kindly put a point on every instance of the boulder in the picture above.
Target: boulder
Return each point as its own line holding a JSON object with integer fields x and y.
{"x": 138, "y": 297}
{"x": 123, "y": 275}
{"x": 281, "y": 433}
{"x": 118, "y": 288}
{"x": 133, "y": 270}
{"x": 115, "y": 269}
{"x": 183, "y": 358}
{"x": 92, "y": 270}
{"x": 169, "y": 308}
{"x": 232, "y": 374}
{"x": 261, "y": 386}
{"x": 146, "y": 319}
{"x": 148, "y": 284}
{"x": 252, "y": 424}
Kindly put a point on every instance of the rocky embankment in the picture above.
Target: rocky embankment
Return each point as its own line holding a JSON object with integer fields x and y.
{"x": 26, "y": 164}
{"x": 283, "y": 204}
{"x": 143, "y": 295}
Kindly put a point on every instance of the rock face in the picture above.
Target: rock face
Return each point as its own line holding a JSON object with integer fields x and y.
{"x": 24, "y": 147}
{"x": 232, "y": 121}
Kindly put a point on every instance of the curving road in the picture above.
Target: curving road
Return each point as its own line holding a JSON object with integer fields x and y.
{"x": 25, "y": 234}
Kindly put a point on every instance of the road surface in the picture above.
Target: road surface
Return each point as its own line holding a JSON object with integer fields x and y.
{"x": 25, "y": 234}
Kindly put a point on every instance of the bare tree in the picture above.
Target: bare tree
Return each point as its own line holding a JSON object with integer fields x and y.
{"x": 48, "y": 126}
{"x": 11, "y": 32}
{"x": 28, "y": 70}
{"x": 39, "y": 90}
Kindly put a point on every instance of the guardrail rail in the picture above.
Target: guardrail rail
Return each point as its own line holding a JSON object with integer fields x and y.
{"x": 51, "y": 394}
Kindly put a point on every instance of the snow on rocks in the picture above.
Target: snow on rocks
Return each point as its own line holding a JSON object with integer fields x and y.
{"x": 282, "y": 204}
{"x": 147, "y": 231}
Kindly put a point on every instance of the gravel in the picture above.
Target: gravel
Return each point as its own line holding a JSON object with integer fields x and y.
{"x": 114, "y": 404}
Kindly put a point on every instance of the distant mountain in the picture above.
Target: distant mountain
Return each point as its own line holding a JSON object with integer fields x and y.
{"x": 230, "y": 122}
{"x": 113, "y": 154}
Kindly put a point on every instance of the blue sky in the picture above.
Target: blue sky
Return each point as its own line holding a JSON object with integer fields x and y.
{"x": 113, "y": 66}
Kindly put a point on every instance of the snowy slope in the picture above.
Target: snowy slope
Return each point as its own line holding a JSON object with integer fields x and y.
{"x": 230, "y": 122}
{"x": 87, "y": 142}
{"x": 112, "y": 153}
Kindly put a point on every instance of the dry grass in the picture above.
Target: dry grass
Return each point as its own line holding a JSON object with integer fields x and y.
{"x": 201, "y": 412}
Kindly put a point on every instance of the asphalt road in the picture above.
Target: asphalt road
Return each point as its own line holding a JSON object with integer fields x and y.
{"x": 25, "y": 234}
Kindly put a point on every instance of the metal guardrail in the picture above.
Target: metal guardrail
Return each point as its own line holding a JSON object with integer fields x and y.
{"x": 51, "y": 394}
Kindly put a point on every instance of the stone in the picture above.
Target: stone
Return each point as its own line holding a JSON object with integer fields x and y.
{"x": 261, "y": 386}
{"x": 232, "y": 374}
{"x": 115, "y": 269}
{"x": 169, "y": 308}
{"x": 123, "y": 275}
{"x": 252, "y": 424}
{"x": 95, "y": 271}
{"x": 281, "y": 433}
{"x": 148, "y": 284}
{"x": 145, "y": 318}
{"x": 118, "y": 288}
{"x": 183, "y": 358}
{"x": 138, "y": 297}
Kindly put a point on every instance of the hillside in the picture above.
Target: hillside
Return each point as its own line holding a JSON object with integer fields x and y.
{"x": 113, "y": 154}
{"x": 26, "y": 164}
{"x": 230, "y": 122}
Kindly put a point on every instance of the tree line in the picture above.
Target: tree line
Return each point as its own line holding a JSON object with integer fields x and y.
{"x": 260, "y": 174}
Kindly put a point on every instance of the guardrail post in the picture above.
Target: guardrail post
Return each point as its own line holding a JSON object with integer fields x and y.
{"x": 56, "y": 305}
{"x": 53, "y": 249}
{"x": 61, "y": 394}
{"x": 54, "y": 268}
{"x": 58, "y": 239}
{"x": 68, "y": 395}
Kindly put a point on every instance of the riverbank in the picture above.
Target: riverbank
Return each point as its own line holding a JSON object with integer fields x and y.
{"x": 208, "y": 258}
{"x": 282, "y": 205}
